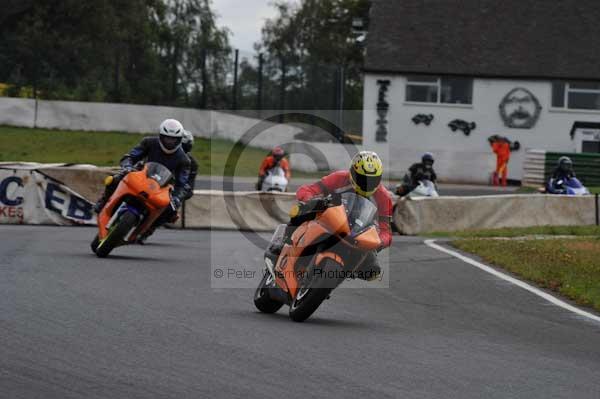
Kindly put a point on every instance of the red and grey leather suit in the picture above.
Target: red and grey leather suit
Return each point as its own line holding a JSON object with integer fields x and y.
{"x": 339, "y": 182}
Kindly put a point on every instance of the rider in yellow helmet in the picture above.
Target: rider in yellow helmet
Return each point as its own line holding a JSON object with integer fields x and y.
{"x": 366, "y": 169}
{"x": 364, "y": 178}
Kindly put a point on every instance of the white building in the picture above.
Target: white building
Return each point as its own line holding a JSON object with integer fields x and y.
{"x": 527, "y": 70}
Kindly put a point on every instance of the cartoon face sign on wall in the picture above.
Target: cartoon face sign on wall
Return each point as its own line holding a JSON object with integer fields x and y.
{"x": 520, "y": 109}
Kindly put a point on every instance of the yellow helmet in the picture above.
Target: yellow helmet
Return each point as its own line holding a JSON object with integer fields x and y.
{"x": 366, "y": 169}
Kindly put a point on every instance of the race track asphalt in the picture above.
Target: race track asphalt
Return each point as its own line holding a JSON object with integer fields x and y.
{"x": 146, "y": 323}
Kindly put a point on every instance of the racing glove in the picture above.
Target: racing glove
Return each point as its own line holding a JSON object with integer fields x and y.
{"x": 314, "y": 205}
{"x": 188, "y": 192}
{"x": 175, "y": 201}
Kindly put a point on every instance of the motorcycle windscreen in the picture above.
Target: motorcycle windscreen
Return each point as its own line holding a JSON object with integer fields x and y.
{"x": 360, "y": 211}
{"x": 159, "y": 173}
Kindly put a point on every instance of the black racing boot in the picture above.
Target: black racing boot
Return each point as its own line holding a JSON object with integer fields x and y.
{"x": 277, "y": 243}
{"x": 280, "y": 238}
{"x": 109, "y": 189}
{"x": 100, "y": 204}
{"x": 369, "y": 269}
{"x": 142, "y": 239}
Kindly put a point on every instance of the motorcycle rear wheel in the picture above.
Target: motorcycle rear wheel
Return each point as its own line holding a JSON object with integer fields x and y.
{"x": 316, "y": 290}
{"x": 116, "y": 235}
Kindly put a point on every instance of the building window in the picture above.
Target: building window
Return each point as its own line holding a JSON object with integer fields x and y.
{"x": 576, "y": 95}
{"x": 445, "y": 90}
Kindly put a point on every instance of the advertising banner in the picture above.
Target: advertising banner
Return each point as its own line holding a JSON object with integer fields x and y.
{"x": 28, "y": 196}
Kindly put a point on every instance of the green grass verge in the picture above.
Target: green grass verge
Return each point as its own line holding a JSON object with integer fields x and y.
{"x": 526, "y": 190}
{"x": 569, "y": 267}
{"x": 521, "y": 231}
{"x": 107, "y": 148}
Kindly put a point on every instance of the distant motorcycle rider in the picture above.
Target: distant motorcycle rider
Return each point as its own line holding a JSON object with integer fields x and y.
{"x": 187, "y": 144}
{"x": 418, "y": 171}
{"x": 164, "y": 149}
{"x": 563, "y": 171}
{"x": 276, "y": 158}
{"x": 363, "y": 178}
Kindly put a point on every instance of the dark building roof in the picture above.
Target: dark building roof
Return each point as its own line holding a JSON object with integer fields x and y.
{"x": 492, "y": 38}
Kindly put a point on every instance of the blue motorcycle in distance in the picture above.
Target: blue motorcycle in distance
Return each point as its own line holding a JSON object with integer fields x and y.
{"x": 568, "y": 186}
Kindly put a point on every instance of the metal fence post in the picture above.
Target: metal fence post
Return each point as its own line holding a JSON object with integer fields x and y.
{"x": 282, "y": 90}
{"x": 259, "y": 91}
{"x": 342, "y": 79}
{"x": 203, "y": 101}
{"x": 235, "y": 80}
{"x": 596, "y": 206}
{"x": 183, "y": 215}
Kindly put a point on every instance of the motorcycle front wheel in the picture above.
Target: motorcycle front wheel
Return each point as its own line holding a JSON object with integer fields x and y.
{"x": 315, "y": 290}
{"x": 95, "y": 243}
{"x": 262, "y": 297}
{"x": 116, "y": 234}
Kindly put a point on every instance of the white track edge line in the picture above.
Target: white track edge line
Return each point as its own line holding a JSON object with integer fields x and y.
{"x": 550, "y": 298}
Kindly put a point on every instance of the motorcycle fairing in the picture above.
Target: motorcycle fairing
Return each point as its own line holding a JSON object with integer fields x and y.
{"x": 143, "y": 189}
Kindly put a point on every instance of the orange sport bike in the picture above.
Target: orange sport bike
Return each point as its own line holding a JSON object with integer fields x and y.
{"x": 138, "y": 201}
{"x": 323, "y": 251}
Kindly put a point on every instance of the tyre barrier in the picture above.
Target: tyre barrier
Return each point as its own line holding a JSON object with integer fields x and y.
{"x": 425, "y": 215}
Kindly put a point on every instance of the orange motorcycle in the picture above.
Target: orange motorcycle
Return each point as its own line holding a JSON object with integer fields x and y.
{"x": 138, "y": 201}
{"x": 329, "y": 246}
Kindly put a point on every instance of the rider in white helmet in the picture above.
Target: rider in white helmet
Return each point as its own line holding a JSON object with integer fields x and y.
{"x": 164, "y": 149}
{"x": 170, "y": 217}
{"x": 170, "y": 134}
{"x": 186, "y": 144}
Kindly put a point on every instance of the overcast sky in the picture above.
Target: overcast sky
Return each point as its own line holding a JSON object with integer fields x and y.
{"x": 244, "y": 18}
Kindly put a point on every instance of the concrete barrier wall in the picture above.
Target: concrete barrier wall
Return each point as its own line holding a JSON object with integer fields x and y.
{"x": 86, "y": 181}
{"x": 131, "y": 118}
{"x": 17, "y": 111}
{"x": 422, "y": 215}
{"x": 233, "y": 127}
{"x": 237, "y": 210}
{"x": 71, "y": 115}
{"x": 264, "y": 211}
{"x": 206, "y": 209}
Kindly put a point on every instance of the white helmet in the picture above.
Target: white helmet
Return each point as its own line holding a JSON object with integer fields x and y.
{"x": 188, "y": 141}
{"x": 170, "y": 135}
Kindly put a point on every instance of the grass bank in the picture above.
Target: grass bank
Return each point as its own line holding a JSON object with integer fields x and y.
{"x": 107, "y": 148}
{"x": 521, "y": 231}
{"x": 568, "y": 266}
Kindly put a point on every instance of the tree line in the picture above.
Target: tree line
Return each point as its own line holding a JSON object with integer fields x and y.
{"x": 173, "y": 52}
